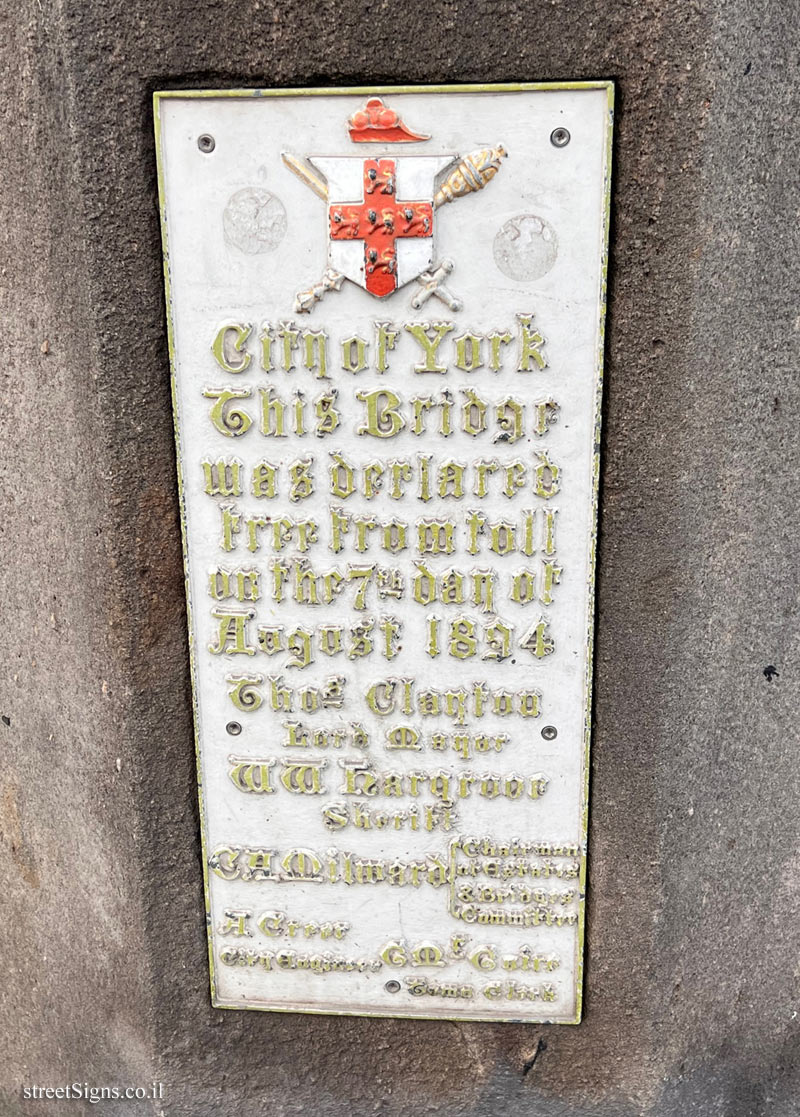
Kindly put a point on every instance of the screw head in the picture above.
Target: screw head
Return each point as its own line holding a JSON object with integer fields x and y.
{"x": 206, "y": 143}
{"x": 234, "y": 728}
{"x": 560, "y": 137}
{"x": 549, "y": 732}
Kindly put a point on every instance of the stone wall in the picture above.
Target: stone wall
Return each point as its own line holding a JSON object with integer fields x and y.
{"x": 694, "y": 903}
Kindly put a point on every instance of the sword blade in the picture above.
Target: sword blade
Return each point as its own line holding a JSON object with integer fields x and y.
{"x": 305, "y": 175}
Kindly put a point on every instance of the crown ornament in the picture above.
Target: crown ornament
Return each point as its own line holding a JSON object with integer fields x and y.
{"x": 376, "y": 123}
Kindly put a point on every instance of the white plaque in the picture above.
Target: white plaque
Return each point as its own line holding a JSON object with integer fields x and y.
{"x": 385, "y": 312}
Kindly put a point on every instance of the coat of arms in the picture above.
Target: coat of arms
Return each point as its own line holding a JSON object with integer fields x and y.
{"x": 381, "y": 208}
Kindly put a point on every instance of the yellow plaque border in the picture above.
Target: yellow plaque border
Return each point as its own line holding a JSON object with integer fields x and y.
{"x": 324, "y": 91}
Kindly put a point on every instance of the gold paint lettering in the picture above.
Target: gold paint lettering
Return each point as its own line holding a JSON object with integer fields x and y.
{"x": 229, "y": 341}
{"x": 289, "y": 336}
{"x": 252, "y": 775}
{"x": 546, "y": 477}
{"x": 270, "y": 639}
{"x": 390, "y": 629}
{"x": 301, "y": 864}
{"x": 538, "y": 640}
{"x": 380, "y": 698}
{"x": 223, "y": 477}
{"x": 509, "y": 416}
{"x": 515, "y": 478}
{"x": 245, "y": 694}
{"x": 523, "y": 587}
{"x": 234, "y": 923}
{"x": 373, "y": 479}
{"x": 386, "y": 337}
{"x": 315, "y": 344}
{"x": 428, "y": 336}
{"x": 452, "y": 588}
{"x": 361, "y": 642}
{"x": 401, "y": 471}
{"x": 403, "y": 737}
{"x": 228, "y": 420}
{"x": 468, "y": 352}
{"x": 546, "y": 413}
{"x": 495, "y": 356}
{"x": 273, "y": 412}
{"x": 394, "y": 536}
{"x": 435, "y": 537}
{"x": 330, "y": 639}
{"x": 327, "y": 416}
{"x": 433, "y": 624}
{"x": 383, "y": 418}
{"x": 303, "y": 779}
{"x": 482, "y": 471}
{"x": 463, "y": 644}
{"x": 354, "y": 354}
{"x": 266, "y": 338}
{"x": 265, "y": 480}
{"x": 231, "y": 634}
{"x": 299, "y": 644}
{"x": 483, "y": 590}
{"x": 224, "y": 862}
{"x": 551, "y": 576}
{"x": 340, "y": 525}
{"x": 301, "y": 483}
{"x": 451, "y": 480}
{"x": 530, "y": 343}
{"x": 498, "y": 637}
{"x": 280, "y": 697}
{"x": 475, "y": 525}
{"x": 473, "y": 413}
{"x": 421, "y": 405}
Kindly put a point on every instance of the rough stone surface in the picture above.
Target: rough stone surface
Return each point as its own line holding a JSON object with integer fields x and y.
{"x": 694, "y": 910}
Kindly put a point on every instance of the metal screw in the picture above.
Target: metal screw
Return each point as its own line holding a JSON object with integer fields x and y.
{"x": 560, "y": 137}
{"x": 392, "y": 986}
{"x": 207, "y": 143}
{"x": 549, "y": 732}
{"x": 233, "y": 728}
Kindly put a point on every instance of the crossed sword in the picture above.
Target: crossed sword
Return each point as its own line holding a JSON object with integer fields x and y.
{"x": 432, "y": 282}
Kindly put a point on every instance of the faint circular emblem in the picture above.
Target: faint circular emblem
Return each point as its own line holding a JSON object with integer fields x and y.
{"x": 254, "y": 221}
{"x": 526, "y": 247}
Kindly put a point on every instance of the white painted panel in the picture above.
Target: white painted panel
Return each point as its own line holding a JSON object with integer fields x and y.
{"x": 345, "y": 178}
{"x": 392, "y": 743}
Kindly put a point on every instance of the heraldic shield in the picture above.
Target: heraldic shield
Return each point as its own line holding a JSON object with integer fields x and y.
{"x": 380, "y": 217}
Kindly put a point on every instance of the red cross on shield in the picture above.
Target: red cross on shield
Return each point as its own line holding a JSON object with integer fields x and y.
{"x": 380, "y": 217}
